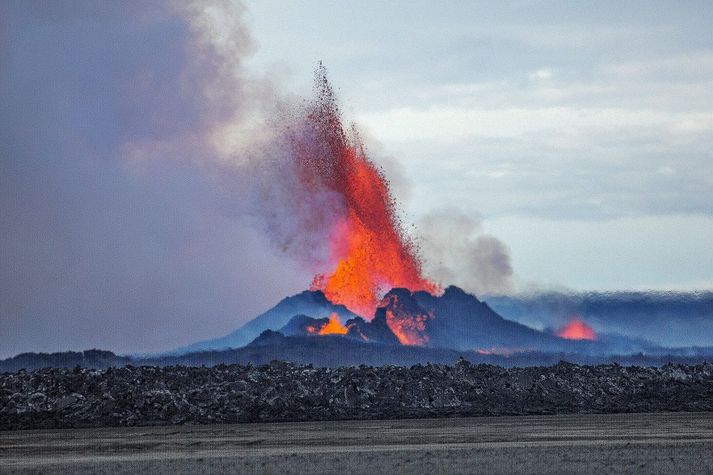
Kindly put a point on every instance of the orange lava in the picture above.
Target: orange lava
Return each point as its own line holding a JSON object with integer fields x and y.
{"x": 370, "y": 254}
{"x": 334, "y": 327}
{"x": 576, "y": 329}
{"x": 409, "y": 327}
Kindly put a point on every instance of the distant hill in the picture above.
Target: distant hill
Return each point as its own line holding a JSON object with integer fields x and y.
{"x": 334, "y": 351}
{"x": 97, "y": 359}
{"x": 668, "y": 319}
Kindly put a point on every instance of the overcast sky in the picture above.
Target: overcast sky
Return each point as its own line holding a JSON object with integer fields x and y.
{"x": 580, "y": 134}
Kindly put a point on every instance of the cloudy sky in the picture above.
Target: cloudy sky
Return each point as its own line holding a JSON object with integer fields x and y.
{"x": 578, "y": 134}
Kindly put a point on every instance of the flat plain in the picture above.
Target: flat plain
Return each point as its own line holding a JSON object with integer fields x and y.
{"x": 582, "y": 443}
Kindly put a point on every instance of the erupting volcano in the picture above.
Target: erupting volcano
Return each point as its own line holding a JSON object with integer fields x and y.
{"x": 368, "y": 250}
{"x": 337, "y": 212}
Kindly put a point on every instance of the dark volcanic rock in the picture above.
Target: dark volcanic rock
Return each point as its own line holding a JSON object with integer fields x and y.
{"x": 324, "y": 351}
{"x": 299, "y": 325}
{"x": 335, "y": 351}
{"x": 375, "y": 331}
{"x": 459, "y": 320}
{"x": 285, "y": 392}
{"x": 455, "y": 320}
{"x": 97, "y": 359}
{"x": 312, "y": 303}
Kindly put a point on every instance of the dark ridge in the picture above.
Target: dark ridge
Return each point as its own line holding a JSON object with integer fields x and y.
{"x": 644, "y": 315}
{"x": 97, "y": 359}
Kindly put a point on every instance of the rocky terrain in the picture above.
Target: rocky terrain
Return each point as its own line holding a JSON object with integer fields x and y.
{"x": 147, "y": 395}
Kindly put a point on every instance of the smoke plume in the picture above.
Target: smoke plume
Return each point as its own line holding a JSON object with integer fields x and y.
{"x": 457, "y": 252}
{"x": 123, "y": 220}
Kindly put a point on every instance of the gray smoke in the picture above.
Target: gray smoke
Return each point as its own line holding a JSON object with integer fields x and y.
{"x": 124, "y": 218}
{"x": 456, "y": 251}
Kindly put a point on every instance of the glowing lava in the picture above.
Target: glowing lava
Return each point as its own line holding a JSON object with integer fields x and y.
{"x": 369, "y": 252}
{"x": 408, "y": 325}
{"x": 334, "y": 327}
{"x": 576, "y": 329}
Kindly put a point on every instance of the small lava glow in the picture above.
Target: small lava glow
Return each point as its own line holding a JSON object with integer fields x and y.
{"x": 333, "y": 327}
{"x": 408, "y": 326}
{"x": 576, "y": 329}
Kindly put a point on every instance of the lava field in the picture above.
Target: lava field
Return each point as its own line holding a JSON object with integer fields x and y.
{"x": 147, "y": 395}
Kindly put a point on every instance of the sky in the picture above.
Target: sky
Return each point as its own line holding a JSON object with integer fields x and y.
{"x": 579, "y": 135}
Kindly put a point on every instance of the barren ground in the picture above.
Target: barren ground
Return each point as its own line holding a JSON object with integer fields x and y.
{"x": 614, "y": 443}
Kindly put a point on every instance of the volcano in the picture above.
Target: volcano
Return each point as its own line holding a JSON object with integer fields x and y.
{"x": 455, "y": 321}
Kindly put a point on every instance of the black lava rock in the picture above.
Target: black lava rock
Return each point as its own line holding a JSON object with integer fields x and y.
{"x": 279, "y": 391}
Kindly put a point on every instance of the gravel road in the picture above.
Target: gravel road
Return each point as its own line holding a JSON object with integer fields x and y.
{"x": 613, "y": 443}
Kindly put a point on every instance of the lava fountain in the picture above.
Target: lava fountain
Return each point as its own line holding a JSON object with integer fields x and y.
{"x": 369, "y": 251}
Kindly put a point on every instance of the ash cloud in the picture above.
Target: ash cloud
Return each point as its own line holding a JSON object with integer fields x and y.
{"x": 294, "y": 219}
{"x": 456, "y": 251}
{"x": 123, "y": 214}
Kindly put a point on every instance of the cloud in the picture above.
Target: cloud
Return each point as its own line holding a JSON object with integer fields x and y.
{"x": 556, "y": 126}
{"x": 540, "y": 74}
{"x": 565, "y": 147}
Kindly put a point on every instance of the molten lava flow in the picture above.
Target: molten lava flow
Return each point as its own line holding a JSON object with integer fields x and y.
{"x": 408, "y": 325}
{"x": 576, "y": 329}
{"x": 334, "y": 327}
{"x": 369, "y": 252}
